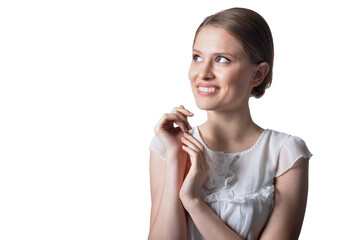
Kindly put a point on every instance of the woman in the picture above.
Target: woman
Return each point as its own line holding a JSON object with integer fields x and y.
{"x": 227, "y": 178}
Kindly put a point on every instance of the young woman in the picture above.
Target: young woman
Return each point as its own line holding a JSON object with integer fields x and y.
{"x": 227, "y": 178}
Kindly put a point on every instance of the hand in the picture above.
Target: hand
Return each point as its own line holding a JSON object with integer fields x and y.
{"x": 170, "y": 135}
{"x": 198, "y": 174}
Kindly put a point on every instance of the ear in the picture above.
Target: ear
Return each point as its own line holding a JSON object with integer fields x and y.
{"x": 260, "y": 72}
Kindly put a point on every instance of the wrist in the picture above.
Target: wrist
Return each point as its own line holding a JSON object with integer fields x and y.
{"x": 176, "y": 157}
{"x": 175, "y": 167}
{"x": 191, "y": 203}
{"x": 175, "y": 152}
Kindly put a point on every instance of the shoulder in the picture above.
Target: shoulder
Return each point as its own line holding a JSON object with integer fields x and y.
{"x": 281, "y": 139}
{"x": 275, "y": 140}
{"x": 290, "y": 149}
{"x": 277, "y": 135}
{"x": 157, "y": 147}
{"x": 288, "y": 142}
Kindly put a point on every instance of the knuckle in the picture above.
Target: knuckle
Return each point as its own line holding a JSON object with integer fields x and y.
{"x": 180, "y": 116}
{"x": 169, "y": 115}
{"x": 192, "y": 153}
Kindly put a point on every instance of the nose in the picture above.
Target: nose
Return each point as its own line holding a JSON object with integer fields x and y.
{"x": 206, "y": 72}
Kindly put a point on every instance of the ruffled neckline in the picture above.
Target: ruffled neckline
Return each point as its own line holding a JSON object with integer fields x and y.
{"x": 196, "y": 129}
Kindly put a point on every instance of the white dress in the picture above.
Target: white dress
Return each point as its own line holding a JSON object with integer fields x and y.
{"x": 240, "y": 189}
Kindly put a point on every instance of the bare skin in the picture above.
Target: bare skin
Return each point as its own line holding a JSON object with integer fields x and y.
{"x": 166, "y": 178}
{"x": 219, "y": 59}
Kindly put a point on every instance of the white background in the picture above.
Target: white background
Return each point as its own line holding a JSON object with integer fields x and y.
{"x": 83, "y": 83}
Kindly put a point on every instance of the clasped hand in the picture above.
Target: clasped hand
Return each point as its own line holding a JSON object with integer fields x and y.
{"x": 178, "y": 140}
{"x": 198, "y": 173}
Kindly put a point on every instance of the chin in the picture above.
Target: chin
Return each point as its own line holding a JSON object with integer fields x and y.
{"x": 205, "y": 105}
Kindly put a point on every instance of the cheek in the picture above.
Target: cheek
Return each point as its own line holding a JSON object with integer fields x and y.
{"x": 237, "y": 78}
{"x": 192, "y": 73}
{"x": 229, "y": 78}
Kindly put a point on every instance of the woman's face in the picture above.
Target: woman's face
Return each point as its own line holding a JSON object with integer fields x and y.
{"x": 221, "y": 72}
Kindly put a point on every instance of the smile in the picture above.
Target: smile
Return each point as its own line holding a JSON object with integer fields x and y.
{"x": 207, "y": 91}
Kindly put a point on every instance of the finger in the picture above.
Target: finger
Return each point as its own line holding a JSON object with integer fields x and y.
{"x": 181, "y": 122}
{"x": 183, "y": 111}
{"x": 196, "y": 166}
{"x": 184, "y": 119}
{"x": 193, "y": 151}
{"x": 193, "y": 155}
{"x": 182, "y": 116}
{"x": 194, "y": 141}
{"x": 188, "y": 164}
{"x": 168, "y": 119}
{"x": 188, "y": 112}
{"x": 190, "y": 144}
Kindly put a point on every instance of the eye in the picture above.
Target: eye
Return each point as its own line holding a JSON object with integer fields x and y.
{"x": 222, "y": 59}
{"x": 197, "y": 58}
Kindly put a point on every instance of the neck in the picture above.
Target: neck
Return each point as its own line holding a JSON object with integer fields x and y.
{"x": 230, "y": 126}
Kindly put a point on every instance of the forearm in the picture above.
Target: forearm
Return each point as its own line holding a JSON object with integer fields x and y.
{"x": 208, "y": 223}
{"x": 170, "y": 219}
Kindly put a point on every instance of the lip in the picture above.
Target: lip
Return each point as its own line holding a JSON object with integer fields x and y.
{"x": 206, "y": 93}
{"x": 207, "y": 85}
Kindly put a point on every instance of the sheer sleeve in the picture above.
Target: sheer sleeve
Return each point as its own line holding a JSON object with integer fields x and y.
{"x": 157, "y": 147}
{"x": 293, "y": 149}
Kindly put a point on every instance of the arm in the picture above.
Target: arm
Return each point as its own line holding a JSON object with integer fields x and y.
{"x": 207, "y": 222}
{"x": 167, "y": 213}
{"x": 289, "y": 203}
{"x": 167, "y": 220}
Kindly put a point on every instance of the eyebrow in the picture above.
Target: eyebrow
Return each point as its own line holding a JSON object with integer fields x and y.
{"x": 216, "y": 53}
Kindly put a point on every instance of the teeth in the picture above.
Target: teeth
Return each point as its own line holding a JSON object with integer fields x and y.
{"x": 207, "y": 89}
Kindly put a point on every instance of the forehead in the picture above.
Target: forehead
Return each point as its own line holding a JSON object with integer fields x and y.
{"x": 215, "y": 39}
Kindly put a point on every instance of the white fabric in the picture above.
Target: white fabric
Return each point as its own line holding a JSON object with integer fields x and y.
{"x": 240, "y": 189}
